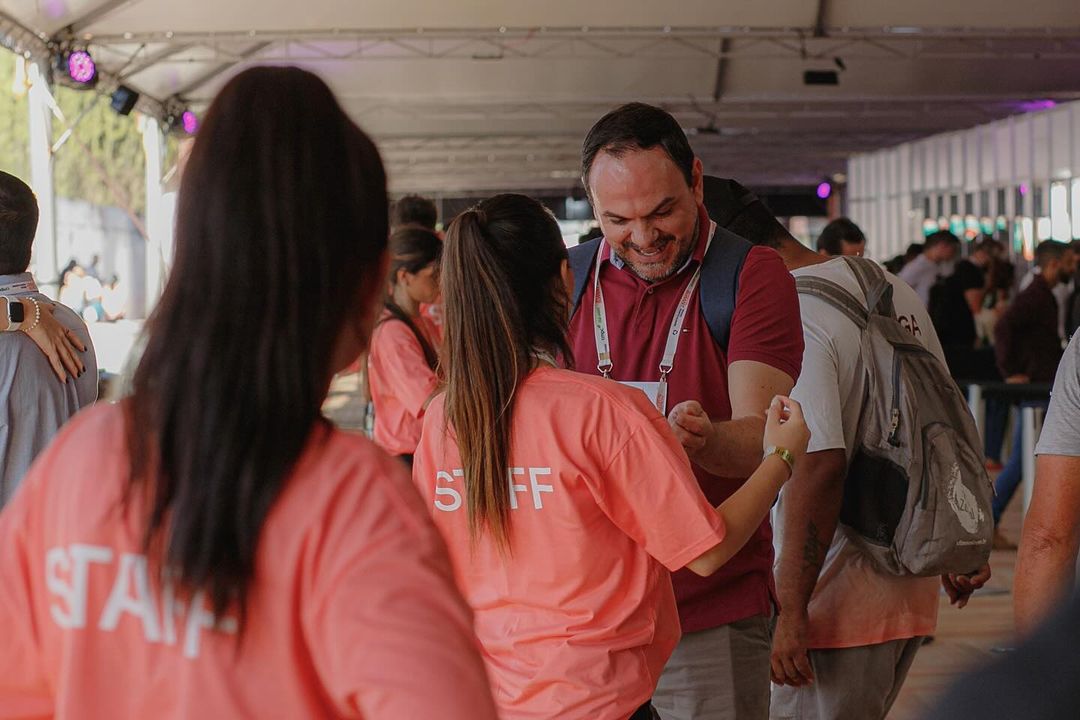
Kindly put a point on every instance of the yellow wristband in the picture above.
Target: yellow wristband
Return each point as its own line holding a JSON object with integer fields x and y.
{"x": 782, "y": 453}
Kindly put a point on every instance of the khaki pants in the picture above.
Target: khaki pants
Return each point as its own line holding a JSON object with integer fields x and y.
{"x": 859, "y": 683}
{"x": 719, "y": 674}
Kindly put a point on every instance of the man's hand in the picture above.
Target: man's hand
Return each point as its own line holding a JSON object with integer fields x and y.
{"x": 959, "y": 588}
{"x": 691, "y": 425}
{"x": 789, "y": 662}
{"x": 60, "y": 345}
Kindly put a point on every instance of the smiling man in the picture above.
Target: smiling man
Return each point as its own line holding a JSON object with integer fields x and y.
{"x": 708, "y": 327}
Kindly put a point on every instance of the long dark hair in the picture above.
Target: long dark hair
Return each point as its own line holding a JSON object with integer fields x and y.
{"x": 504, "y": 303}
{"x": 412, "y": 249}
{"x": 282, "y": 208}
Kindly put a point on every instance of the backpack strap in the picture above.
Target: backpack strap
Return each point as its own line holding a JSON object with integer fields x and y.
{"x": 719, "y": 278}
{"x": 719, "y": 288}
{"x": 582, "y": 258}
{"x": 875, "y": 286}
{"x": 836, "y": 296}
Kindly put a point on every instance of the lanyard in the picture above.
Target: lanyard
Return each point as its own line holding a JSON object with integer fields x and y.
{"x": 600, "y": 326}
{"x": 24, "y": 286}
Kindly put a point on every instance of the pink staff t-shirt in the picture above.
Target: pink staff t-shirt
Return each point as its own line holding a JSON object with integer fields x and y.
{"x": 579, "y": 620}
{"x": 353, "y": 612}
{"x": 401, "y": 381}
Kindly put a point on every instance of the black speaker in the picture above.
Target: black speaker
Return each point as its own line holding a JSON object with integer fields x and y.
{"x": 821, "y": 77}
{"x": 124, "y": 100}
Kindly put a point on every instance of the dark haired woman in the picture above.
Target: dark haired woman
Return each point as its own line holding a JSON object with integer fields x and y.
{"x": 212, "y": 548}
{"x": 563, "y": 497}
{"x": 403, "y": 359}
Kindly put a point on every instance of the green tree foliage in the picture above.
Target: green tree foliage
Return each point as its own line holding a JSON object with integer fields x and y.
{"x": 102, "y": 162}
{"x": 14, "y": 122}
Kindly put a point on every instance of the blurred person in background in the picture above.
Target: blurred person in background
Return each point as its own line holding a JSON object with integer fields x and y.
{"x": 933, "y": 262}
{"x": 1028, "y": 348}
{"x": 404, "y": 358}
{"x": 841, "y": 237}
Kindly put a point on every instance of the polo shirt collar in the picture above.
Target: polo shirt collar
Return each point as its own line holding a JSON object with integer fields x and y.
{"x": 17, "y": 279}
{"x": 704, "y": 224}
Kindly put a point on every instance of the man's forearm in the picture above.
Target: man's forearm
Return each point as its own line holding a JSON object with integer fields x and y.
{"x": 811, "y": 511}
{"x": 1045, "y": 573}
{"x": 733, "y": 449}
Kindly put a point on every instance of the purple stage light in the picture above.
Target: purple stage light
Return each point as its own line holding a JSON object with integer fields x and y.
{"x": 1037, "y": 105}
{"x": 824, "y": 190}
{"x": 81, "y": 67}
{"x": 1023, "y": 189}
{"x": 190, "y": 122}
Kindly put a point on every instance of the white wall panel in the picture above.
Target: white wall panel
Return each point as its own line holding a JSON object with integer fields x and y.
{"x": 1022, "y": 155}
{"x": 956, "y": 160}
{"x": 1003, "y": 149}
{"x": 1061, "y": 142}
{"x": 988, "y": 160}
{"x": 940, "y": 161}
{"x": 972, "y": 154}
{"x": 918, "y": 166}
{"x": 1040, "y": 146}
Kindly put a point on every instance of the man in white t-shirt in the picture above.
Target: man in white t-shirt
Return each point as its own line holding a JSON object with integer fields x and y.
{"x": 935, "y": 261}
{"x": 847, "y": 633}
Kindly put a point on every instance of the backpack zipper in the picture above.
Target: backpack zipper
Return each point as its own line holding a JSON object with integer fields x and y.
{"x": 894, "y": 427}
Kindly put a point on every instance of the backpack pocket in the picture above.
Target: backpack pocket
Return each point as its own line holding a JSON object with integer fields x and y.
{"x": 948, "y": 531}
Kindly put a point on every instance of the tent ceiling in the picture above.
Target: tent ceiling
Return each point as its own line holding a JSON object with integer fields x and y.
{"x": 497, "y": 94}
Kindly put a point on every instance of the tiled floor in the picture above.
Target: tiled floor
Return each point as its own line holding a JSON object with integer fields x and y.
{"x": 965, "y": 638}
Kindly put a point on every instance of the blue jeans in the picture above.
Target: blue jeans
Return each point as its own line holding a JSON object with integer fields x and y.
{"x": 1009, "y": 479}
{"x": 997, "y": 417}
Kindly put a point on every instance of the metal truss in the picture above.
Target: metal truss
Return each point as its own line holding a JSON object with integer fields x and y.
{"x": 503, "y": 43}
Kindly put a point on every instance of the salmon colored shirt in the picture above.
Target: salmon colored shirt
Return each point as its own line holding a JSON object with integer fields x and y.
{"x": 353, "y": 613}
{"x": 401, "y": 382}
{"x": 579, "y": 621}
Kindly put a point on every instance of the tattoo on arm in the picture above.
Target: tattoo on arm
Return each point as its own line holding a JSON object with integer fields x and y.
{"x": 812, "y": 558}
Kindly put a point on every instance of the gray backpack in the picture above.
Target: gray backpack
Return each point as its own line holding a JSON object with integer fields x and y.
{"x": 917, "y": 497}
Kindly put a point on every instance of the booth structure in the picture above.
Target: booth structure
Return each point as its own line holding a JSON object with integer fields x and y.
{"x": 1016, "y": 179}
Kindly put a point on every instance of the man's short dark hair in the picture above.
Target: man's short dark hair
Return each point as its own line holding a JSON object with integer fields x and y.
{"x": 940, "y": 238}
{"x": 1050, "y": 250}
{"x": 637, "y": 126}
{"x": 414, "y": 210}
{"x": 734, "y": 208}
{"x": 839, "y": 231}
{"x": 18, "y": 224}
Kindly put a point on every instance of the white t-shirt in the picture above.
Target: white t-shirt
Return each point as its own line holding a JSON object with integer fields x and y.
{"x": 921, "y": 274}
{"x": 1061, "y": 431}
{"x": 854, "y": 604}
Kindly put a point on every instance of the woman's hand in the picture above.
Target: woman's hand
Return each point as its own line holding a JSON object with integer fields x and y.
{"x": 60, "y": 345}
{"x": 785, "y": 426}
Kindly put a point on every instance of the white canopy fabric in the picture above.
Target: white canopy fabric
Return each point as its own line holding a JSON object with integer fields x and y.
{"x": 480, "y": 95}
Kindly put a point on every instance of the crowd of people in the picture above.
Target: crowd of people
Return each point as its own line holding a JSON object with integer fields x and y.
{"x": 567, "y": 509}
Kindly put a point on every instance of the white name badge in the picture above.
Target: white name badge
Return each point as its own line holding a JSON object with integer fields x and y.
{"x": 655, "y": 391}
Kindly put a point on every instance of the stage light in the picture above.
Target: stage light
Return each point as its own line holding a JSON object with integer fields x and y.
{"x": 81, "y": 67}
{"x": 824, "y": 190}
{"x": 124, "y": 100}
{"x": 190, "y": 122}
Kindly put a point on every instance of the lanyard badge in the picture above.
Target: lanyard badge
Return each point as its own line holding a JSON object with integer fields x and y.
{"x": 657, "y": 392}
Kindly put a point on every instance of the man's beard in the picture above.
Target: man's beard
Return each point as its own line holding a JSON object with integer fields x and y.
{"x": 676, "y": 264}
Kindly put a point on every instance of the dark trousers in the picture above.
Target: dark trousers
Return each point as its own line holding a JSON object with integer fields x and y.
{"x": 645, "y": 712}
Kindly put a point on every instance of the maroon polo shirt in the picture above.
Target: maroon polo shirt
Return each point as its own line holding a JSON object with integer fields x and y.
{"x": 765, "y": 328}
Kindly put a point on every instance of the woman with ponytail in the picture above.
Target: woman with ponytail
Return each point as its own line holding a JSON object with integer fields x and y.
{"x": 221, "y": 551}
{"x": 403, "y": 361}
{"x": 565, "y": 498}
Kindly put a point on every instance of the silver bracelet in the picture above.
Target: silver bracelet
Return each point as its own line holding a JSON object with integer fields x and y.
{"x": 37, "y": 314}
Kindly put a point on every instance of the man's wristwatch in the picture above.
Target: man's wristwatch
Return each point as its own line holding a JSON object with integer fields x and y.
{"x": 16, "y": 314}
{"x": 782, "y": 453}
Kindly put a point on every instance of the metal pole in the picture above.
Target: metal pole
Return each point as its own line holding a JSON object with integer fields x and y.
{"x": 157, "y": 223}
{"x": 46, "y": 262}
{"x": 1031, "y": 417}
